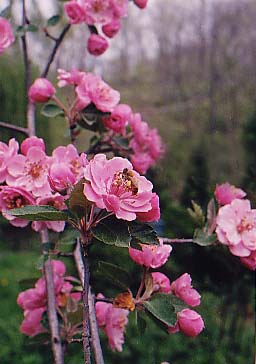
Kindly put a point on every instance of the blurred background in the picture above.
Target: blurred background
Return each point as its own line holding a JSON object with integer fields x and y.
{"x": 189, "y": 68}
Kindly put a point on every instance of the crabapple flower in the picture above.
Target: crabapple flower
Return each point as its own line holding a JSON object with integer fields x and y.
{"x": 112, "y": 321}
{"x": 31, "y": 325}
{"x": 74, "y": 77}
{"x": 161, "y": 282}
{"x": 226, "y": 193}
{"x": 41, "y": 90}
{"x": 118, "y": 119}
{"x": 14, "y": 197}
{"x": 182, "y": 288}
{"x": 6, "y": 34}
{"x": 250, "y": 261}
{"x": 7, "y": 152}
{"x": 32, "y": 142}
{"x": 114, "y": 186}
{"x": 111, "y": 29}
{"x": 141, "y": 3}
{"x": 236, "y": 227}
{"x": 97, "y": 44}
{"x": 75, "y": 12}
{"x": 190, "y": 322}
{"x": 151, "y": 256}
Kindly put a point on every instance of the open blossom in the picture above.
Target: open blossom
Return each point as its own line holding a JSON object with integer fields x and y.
{"x": 226, "y": 193}
{"x": 93, "y": 89}
{"x": 6, "y": 34}
{"x": 34, "y": 300}
{"x": 151, "y": 256}
{"x": 236, "y": 227}
{"x": 161, "y": 282}
{"x": 182, "y": 288}
{"x": 114, "y": 186}
{"x": 74, "y": 77}
{"x": 14, "y": 197}
{"x": 96, "y": 44}
{"x": 112, "y": 321}
{"x": 41, "y": 90}
{"x": 32, "y": 142}
{"x": 7, "y": 152}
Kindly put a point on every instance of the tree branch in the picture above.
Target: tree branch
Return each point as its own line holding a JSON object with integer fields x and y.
{"x": 86, "y": 327}
{"x": 14, "y": 127}
{"x": 92, "y": 315}
{"x": 54, "y": 50}
{"x": 172, "y": 241}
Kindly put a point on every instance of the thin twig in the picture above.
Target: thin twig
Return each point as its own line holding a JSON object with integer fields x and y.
{"x": 14, "y": 127}
{"x": 92, "y": 315}
{"x": 54, "y": 50}
{"x": 86, "y": 325}
{"x": 172, "y": 241}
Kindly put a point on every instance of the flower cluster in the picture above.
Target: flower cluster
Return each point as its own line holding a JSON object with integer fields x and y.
{"x": 104, "y": 13}
{"x": 112, "y": 321}
{"x": 33, "y": 178}
{"x": 6, "y": 34}
{"x": 236, "y": 224}
{"x": 33, "y": 301}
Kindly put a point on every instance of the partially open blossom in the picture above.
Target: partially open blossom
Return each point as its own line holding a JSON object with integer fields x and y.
{"x": 112, "y": 321}
{"x": 161, "y": 282}
{"x": 112, "y": 28}
{"x": 190, "y": 322}
{"x": 6, "y": 34}
{"x": 141, "y": 3}
{"x": 118, "y": 119}
{"x": 236, "y": 227}
{"x": 31, "y": 142}
{"x": 31, "y": 325}
{"x": 151, "y": 256}
{"x": 74, "y": 77}
{"x": 14, "y": 197}
{"x": 226, "y": 193}
{"x": 182, "y": 288}
{"x": 97, "y": 44}
{"x": 7, "y": 152}
{"x": 75, "y": 12}
{"x": 250, "y": 261}
{"x": 41, "y": 90}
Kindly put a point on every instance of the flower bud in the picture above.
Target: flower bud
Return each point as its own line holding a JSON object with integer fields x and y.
{"x": 97, "y": 44}
{"x": 141, "y": 3}
{"x": 111, "y": 29}
{"x": 41, "y": 90}
{"x": 190, "y": 322}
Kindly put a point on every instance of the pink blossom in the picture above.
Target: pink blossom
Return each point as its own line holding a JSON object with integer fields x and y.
{"x": 118, "y": 120}
{"x": 141, "y": 3}
{"x": 250, "y": 261}
{"x": 6, "y": 34}
{"x": 236, "y": 227}
{"x": 142, "y": 162}
{"x": 74, "y": 77}
{"x": 97, "y": 11}
{"x": 32, "y": 142}
{"x": 151, "y": 256}
{"x": 190, "y": 322}
{"x": 41, "y": 90}
{"x": 14, "y": 197}
{"x": 114, "y": 186}
{"x": 182, "y": 288}
{"x": 153, "y": 214}
{"x": 112, "y": 28}
{"x": 31, "y": 324}
{"x": 119, "y": 7}
{"x": 161, "y": 282}
{"x": 7, "y": 152}
{"x": 97, "y": 44}
{"x": 112, "y": 321}
{"x": 56, "y": 201}
{"x": 226, "y": 193}
{"x": 93, "y": 89}
{"x": 30, "y": 171}
{"x": 75, "y": 12}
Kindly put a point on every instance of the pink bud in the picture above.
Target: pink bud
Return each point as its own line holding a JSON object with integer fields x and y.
{"x": 75, "y": 12}
{"x": 32, "y": 142}
{"x": 190, "y": 322}
{"x": 111, "y": 29}
{"x": 41, "y": 90}
{"x": 141, "y": 3}
{"x": 226, "y": 193}
{"x": 97, "y": 44}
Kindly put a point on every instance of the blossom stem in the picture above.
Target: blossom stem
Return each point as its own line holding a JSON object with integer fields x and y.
{"x": 142, "y": 283}
{"x": 14, "y": 127}
{"x": 171, "y": 241}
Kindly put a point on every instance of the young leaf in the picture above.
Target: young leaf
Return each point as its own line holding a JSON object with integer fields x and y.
{"x": 161, "y": 307}
{"x": 197, "y": 213}
{"x": 202, "y": 238}
{"x": 149, "y": 286}
{"x": 31, "y": 28}
{"x": 51, "y": 110}
{"x": 77, "y": 201}
{"x": 112, "y": 231}
{"x": 39, "y": 213}
{"x": 211, "y": 216}
{"x": 53, "y": 20}
{"x": 143, "y": 233}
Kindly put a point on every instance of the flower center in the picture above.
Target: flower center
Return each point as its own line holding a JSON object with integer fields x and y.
{"x": 125, "y": 181}
{"x": 35, "y": 170}
{"x": 244, "y": 226}
{"x": 15, "y": 202}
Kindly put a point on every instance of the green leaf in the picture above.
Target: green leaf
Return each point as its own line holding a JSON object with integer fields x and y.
{"x": 114, "y": 274}
{"x": 161, "y": 306}
{"x": 141, "y": 322}
{"x": 143, "y": 233}
{"x": 53, "y": 20}
{"x": 202, "y": 238}
{"x": 51, "y": 110}
{"x": 68, "y": 237}
{"x": 77, "y": 201}
{"x": 112, "y": 231}
{"x": 31, "y": 28}
{"x": 39, "y": 213}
